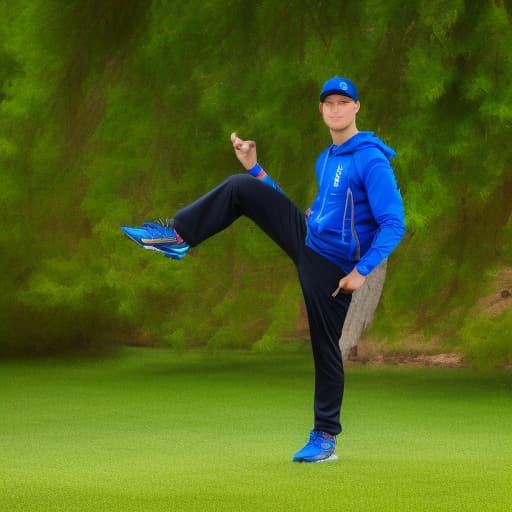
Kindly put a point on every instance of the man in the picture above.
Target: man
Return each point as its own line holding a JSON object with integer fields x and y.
{"x": 355, "y": 222}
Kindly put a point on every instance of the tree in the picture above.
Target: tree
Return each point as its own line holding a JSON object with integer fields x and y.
{"x": 362, "y": 308}
{"x": 115, "y": 112}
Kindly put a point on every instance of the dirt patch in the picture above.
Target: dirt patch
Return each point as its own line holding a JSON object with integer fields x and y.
{"x": 368, "y": 354}
{"x": 415, "y": 350}
{"x": 447, "y": 360}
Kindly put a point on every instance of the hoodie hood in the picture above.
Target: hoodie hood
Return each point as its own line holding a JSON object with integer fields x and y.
{"x": 363, "y": 140}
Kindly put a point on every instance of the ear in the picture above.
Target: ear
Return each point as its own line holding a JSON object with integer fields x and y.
{"x": 321, "y": 108}
{"x": 358, "y": 106}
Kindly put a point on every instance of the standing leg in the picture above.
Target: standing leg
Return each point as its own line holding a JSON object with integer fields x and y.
{"x": 319, "y": 278}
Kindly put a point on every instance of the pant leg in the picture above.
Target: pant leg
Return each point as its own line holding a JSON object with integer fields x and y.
{"x": 242, "y": 194}
{"x": 326, "y": 314}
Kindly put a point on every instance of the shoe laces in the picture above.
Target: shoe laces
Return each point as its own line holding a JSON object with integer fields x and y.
{"x": 166, "y": 222}
{"x": 319, "y": 438}
{"x": 157, "y": 230}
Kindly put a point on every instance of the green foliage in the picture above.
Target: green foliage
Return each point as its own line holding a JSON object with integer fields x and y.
{"x": 486, "y": 340}
{"x": 118, "y": 111}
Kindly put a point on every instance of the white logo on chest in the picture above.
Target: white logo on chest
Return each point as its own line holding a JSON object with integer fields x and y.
{"x": 337, "y": 176}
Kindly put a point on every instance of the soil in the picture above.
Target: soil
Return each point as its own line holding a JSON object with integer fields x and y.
{"x": 447, "y": 360}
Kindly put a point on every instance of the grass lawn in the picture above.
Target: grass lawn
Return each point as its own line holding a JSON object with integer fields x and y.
{"x": 150, "y": 429}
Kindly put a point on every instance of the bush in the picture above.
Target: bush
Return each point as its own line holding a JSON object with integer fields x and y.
{"x": 487, "y": 340}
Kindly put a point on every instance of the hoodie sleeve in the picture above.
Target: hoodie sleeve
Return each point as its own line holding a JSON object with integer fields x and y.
{"x": 388, "y": 211}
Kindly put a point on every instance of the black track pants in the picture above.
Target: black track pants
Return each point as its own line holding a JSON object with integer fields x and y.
{"x": 282, "y": 221}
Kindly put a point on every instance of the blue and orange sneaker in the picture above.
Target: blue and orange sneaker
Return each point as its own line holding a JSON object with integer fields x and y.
{"x": 159, "y": 236}
{"x": 319, "y": 448}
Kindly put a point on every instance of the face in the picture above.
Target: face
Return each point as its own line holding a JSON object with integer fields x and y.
{"x": 339, "y": 112}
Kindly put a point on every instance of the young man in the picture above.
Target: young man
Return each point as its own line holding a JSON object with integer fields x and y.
{"x": 355, "y": 222}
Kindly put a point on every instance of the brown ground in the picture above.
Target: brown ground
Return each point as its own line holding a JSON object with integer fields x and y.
{"x": 367, "y": 353}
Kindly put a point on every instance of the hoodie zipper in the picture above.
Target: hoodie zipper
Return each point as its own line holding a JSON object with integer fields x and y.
{"x": 349, "y": 197}
{"x": 324, "y": 196}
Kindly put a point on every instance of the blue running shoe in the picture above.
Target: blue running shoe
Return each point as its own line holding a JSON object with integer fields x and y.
{"x": 161, "y": 237}
{"x": 320, "y": 448}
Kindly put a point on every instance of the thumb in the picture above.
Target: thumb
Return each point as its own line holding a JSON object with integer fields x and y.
{"x": 341, "y": 287}
{"x": 235, "y": 139}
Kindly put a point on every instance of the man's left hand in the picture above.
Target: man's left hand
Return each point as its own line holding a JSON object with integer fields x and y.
{"x": 350, "y": 282}
{"x": 245, "y": 151}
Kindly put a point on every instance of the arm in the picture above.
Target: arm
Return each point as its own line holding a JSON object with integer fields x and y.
{"x": 388, "y": 210}
{"x": 245, "y": 151}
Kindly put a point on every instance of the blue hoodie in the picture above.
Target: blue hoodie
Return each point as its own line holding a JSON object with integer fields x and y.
{"x": 357, "y": 218}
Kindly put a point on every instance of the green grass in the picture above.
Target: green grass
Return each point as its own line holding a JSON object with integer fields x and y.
{"x": 154, "y": 430}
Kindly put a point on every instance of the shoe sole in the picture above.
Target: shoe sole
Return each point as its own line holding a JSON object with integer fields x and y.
{"x": 328, "y": 459}
{"x": 176, "y": 256}
{"x": 331, "y": 457}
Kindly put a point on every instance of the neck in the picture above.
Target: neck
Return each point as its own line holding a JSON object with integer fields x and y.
{"x": 341, "y": 136}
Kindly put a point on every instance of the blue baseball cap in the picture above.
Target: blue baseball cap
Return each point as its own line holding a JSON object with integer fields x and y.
{"x": 338, "y": 85}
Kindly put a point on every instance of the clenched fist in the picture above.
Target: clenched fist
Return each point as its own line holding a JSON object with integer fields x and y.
{"x": 245, "y": 151}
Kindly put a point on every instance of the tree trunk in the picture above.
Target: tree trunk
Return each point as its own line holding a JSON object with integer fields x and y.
{"x": 361, "y": 310}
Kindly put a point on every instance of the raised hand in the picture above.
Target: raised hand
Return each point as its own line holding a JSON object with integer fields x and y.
{"x": 245, "y": 151}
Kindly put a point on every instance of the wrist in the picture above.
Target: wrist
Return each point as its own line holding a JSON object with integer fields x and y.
{"x": 255, "y": 170}
{"x": 362, "y": 269}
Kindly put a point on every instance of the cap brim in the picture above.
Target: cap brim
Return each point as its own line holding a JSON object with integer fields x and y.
{"x": 336, "y": 91}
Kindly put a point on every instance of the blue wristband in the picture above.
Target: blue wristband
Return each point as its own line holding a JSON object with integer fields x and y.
{"x": 254, "y": 171}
